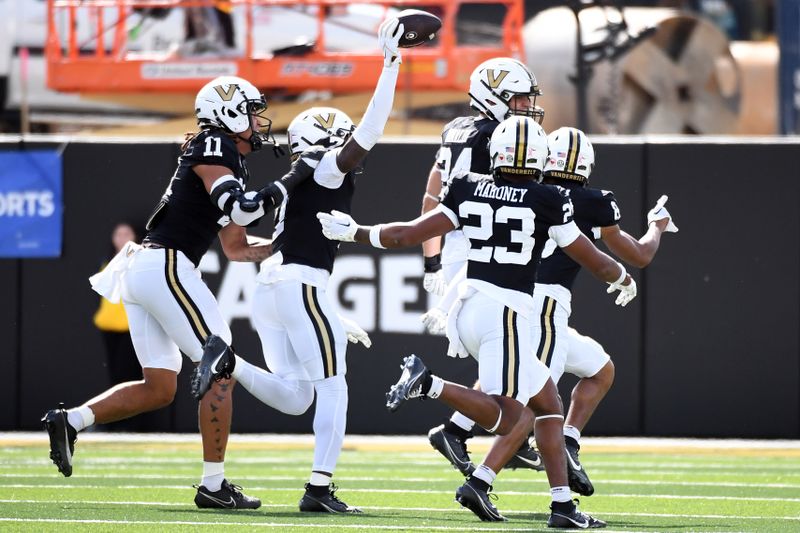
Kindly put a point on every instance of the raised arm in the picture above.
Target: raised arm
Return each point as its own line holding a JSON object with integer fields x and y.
{"x": 640, "y": 253}
{"x": 370, "y": 129}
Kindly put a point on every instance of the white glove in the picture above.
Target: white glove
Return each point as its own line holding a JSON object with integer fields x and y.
{"x": 389, "y": 35}
{"x": 435, "y": 321}
{"x": 338, "y": 226}
{"x": 659, "y": 212}
{"x": 434, "y": 282}
{"x": 626, "y": 292}
{"x": 354, "y": 332}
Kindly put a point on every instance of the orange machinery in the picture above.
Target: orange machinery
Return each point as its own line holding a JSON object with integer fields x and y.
{"x": 111, "y": 67}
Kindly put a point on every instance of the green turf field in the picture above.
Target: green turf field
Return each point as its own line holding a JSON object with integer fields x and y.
{"x": 402, "y": 485}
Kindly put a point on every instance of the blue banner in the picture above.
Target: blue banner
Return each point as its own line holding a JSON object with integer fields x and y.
{"x": 788, "y": 20}
{"x": 30, "y": 204}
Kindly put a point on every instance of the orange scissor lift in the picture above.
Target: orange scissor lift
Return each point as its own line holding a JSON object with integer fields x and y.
{"x": 110, "y": 66}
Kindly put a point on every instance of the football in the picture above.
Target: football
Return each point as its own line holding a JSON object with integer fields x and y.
{"x": 419, "y": 27}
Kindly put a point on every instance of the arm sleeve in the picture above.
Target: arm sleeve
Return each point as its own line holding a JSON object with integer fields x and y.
{"x": 371, "y": 127}
{"x": 327, "y": 173}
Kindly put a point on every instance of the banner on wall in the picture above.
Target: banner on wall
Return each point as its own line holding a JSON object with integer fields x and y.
{"x": 30, "y": 204}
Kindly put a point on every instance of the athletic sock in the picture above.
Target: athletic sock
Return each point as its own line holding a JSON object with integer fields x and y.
{"x": 460, "y": 425}
{"x": 213, "y": 475}
{"x": 560, "y": 494}
{"x": 485, "y": 474}
{"x": 318, "y": 483}
{"x": 573, "y": 432}
{"x": 80, "y": 417}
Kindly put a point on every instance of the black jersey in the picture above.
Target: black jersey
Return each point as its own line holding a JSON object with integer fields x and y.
{"x": 186, "y": 219}
{"x": 507, "y": 224}
{"x": 298, "y": 236}
{"x": 465, "y": 146}
{"x": 594, "y": 209}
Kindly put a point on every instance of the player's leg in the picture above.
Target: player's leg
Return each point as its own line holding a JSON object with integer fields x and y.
{"x": 547, "y": 409}
{"x": 123, "y": 400}
{"x": 286, "y": 385}
{"x": 171, "y": 289}
{"x": 316, "y": 352}
{"x": 503, "y": 353}
{"x": 587, "y": 360}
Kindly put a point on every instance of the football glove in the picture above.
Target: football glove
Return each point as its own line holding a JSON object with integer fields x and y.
{"x": 659, "y": 212}
{"x": 435, "y": 321}
{"x": 354, "y": 332}
{"x": 389, "y": 35}
{"x": 434, "y": 283}
{"x": 338, "y": 226}
{"x": 626, "y": 292}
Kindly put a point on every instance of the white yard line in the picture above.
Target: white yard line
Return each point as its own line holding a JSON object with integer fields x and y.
{"x": 406, "y": 440}
{"x": 285, "y": 525}
{"x": 157, "y": 504}
{"x": 403, "y": 491}
{"x": 500, "y": 481}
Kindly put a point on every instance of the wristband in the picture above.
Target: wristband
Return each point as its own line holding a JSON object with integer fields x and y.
{"x": 375, "y": 236}
{"x": 433, "y": 264}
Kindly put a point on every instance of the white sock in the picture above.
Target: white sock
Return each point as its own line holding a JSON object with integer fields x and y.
{"x": 484, "y": 473}
{"x": 462, "y": 421}
{"x": 437, "y": 385}
{"x": 572, "y": 431}
{"x": 80, "y": 417}
{"x": 330, "y": 420}
{"x": 319, "y": 479}
{"x": 560, "y": 494}
{"x": 213, "y": 475}
{"x": 287, "y": 396}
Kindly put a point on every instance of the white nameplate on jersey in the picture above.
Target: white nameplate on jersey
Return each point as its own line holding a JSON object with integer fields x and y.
{"x": 486, "y": 189}
{"x": 457, "y": 135}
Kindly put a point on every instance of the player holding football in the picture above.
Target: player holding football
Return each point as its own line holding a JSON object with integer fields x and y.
{"x": 507, "y": 218}
{"x": 304, "y": 340}
{"x": 169, "y": 307}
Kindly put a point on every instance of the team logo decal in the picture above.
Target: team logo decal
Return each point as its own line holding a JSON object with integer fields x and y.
{"x": 411, "y": 35}
{"x": 325, "y": 121}
{"x": 495, "y": 78}
{"x": 226, "y": 95}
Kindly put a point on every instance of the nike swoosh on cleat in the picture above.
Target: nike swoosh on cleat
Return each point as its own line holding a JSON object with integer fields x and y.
{"x": 574, "y": 465}
{"x": 229, "y": 503}
{"x": 537, "y": 462}
{"x": 452, "y": 454}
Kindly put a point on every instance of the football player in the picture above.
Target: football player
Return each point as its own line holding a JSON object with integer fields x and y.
{"x": 304, "y": 341}
{"x": 499, "y": 88}
{"x": 169, "y": 307}
{"x": 560, "y": 347}
{"x": 507, "y": 218}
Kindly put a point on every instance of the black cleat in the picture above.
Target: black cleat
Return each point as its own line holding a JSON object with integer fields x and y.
{"x": 573, "y": 520}
{"x": 62, "y": 438}
{"x": 578, "y": 479}
{"x": 453, "y": 448}
{"x": 526, "y": 457}
{"x": 410, "y": 383}
{"x": 217, "y": 363}
{"x": 477, "y": 501}
{"x": 229, "y": 496}
{"x": 325, "y": 503}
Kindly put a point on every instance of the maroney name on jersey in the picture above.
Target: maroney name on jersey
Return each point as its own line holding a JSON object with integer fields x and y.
{"x": 486, "y": 189}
